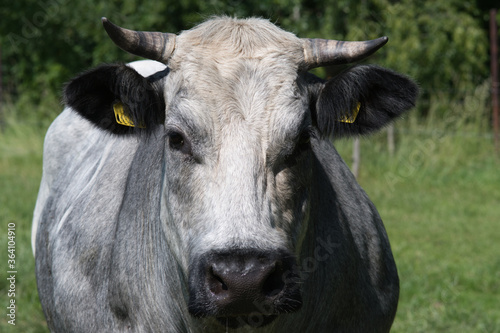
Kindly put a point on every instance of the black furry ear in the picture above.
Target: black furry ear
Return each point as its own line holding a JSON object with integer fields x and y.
{"x": 94, "y": 94}
{"x": 362, "y": 100}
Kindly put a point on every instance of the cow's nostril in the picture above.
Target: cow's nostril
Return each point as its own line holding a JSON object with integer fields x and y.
{"x": 223, "y": 285}
{"x": 274, "y": 283}
{"x": 216, "y": 283}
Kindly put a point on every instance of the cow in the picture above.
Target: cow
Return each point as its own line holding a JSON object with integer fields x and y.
{"x": 199, "y": 190}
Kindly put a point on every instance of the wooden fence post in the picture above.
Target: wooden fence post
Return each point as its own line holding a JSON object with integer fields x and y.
{"x": 390, "y": 139}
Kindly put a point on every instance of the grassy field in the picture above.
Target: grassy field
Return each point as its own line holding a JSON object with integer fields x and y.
{"x": 20, "y": 172}
{"x": 439, "y": 196}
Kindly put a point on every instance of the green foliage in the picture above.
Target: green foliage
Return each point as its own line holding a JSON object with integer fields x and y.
{"x": 446, "y": 58}
{"x": 46, "y": 42}
{"x": 442, "y": 44}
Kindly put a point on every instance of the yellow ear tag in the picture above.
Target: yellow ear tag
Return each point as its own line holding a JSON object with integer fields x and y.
{"x": 350, "y": 118}
{"x": 122, "y": 117}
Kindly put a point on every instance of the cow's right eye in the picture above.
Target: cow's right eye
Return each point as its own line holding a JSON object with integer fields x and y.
{"x": 304, "y": 142}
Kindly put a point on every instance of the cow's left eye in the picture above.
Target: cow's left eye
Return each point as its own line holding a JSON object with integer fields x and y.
{"x": 176, "y": 141}
{"x": 302, "y": 145}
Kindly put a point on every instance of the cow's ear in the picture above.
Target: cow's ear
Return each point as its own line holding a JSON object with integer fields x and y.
{"x": 362, "y": 100}
{"x": 117, "y": 99}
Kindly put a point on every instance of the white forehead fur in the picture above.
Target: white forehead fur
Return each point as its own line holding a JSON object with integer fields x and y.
{"x": 244, "y": 68}
{"x": 225, "y": 38}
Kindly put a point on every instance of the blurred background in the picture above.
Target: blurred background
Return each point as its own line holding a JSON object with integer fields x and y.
{"x": 434, "y": 175}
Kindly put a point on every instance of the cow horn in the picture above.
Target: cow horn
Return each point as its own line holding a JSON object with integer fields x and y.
{"x": 151, "y": 45}
{"x": 324, "y": 52}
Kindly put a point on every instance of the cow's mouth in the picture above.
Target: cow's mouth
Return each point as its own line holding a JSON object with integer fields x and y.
{"x": 254, "y": 319}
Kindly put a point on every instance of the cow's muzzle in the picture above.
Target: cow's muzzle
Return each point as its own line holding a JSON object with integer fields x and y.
{"x": 244, "y": 287}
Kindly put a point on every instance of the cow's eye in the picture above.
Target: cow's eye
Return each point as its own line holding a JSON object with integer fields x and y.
{"x": 302, "y": 145}
{"x": 176, "y": 141}
{"x": 304, "y": 142}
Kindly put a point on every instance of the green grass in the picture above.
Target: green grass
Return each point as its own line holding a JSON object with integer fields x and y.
{"x": 20, "y": 172}
{"x": 438, "y": 195}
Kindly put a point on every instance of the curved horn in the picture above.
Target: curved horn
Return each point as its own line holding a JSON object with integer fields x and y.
{"x": 152, "y": 45}
{"x": 324, "y": 52}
